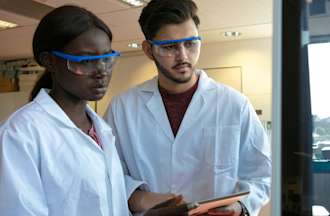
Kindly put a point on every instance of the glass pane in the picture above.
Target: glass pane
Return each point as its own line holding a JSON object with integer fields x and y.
{"x": 319, "y": 65}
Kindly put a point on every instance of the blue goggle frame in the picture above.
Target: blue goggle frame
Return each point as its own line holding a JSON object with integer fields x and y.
{"x": 164, "y": 42}
{"x": 76, "y": 58}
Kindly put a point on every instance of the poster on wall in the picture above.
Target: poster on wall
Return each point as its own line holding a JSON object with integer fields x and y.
{"x": 19, "y": 75}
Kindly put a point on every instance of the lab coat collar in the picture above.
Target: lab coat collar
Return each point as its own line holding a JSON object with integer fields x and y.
{"x": 54, "y": 110}
{"x": 204, "y": 83}
{"x": 98, "y": 122}
{"x": 197, "y": 103}
{"x": 157, "y": 108}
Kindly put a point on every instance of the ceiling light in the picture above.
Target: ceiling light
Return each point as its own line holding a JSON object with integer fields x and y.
{"x": 134, "y": 45}
{"x": 135, "y": 3}
{"x": 6, "y": 25}
{"x": 232, "y": 34}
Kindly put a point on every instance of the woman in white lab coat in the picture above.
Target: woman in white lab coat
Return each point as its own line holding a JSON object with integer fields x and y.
{"x": 57, "y": 156}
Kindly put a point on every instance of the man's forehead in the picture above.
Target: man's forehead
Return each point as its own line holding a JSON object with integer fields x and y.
{"x": 177, "y": 31}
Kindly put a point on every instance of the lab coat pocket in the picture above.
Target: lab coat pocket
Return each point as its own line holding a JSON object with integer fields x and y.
{"x": 59, "y": 189}
{"x": 84, "y": 200}
{"x": 221, "y": 146}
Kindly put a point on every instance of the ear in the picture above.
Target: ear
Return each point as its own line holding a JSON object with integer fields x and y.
{"x": 46, "y": 60}
{"x": 147, "y": 49}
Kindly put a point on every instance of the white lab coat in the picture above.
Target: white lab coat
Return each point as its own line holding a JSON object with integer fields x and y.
{"x": 48, "y": 166}
{"x": 220, "y": 145}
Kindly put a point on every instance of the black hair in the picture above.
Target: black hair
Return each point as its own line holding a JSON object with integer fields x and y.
{"x": 158, "y": 13}
{"x": 45, "y": 81}
{"x": 58, "y": 28}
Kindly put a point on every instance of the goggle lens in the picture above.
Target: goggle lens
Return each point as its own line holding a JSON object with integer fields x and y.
{"x": 88, "y": 67}
{"x": 168, "y": 48}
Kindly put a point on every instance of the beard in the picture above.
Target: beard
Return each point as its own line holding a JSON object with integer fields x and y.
{"x": 170, "y": 76}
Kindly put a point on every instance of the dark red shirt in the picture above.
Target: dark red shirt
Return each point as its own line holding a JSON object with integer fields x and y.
{"x": 176, "y": 105}
{"x": 92, "y": 133}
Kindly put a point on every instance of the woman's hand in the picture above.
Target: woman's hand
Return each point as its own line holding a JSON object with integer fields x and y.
{"x": 141, "y": 201}
{"x": 171, "y": 207}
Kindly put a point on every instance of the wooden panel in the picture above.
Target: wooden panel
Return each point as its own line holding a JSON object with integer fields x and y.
{"x": 93, "y": 105}
{"x": 7, "y": 85}
{"x": 11, "y": 101}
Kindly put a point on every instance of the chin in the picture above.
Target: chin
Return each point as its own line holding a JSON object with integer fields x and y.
{"x": 98, "y": 93}
{"x": 96, "y": 97}
{"x": 184, "y": 79}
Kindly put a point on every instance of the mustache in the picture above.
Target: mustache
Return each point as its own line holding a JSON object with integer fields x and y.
{"x": 182, "y": 63}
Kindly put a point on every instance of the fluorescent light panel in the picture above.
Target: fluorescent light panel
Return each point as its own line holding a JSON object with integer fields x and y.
{"x": 232, "y": 34}
{"x": 135, "y": 3}
{"x": 134, "y": 45}
{"x": 5, "y": 25}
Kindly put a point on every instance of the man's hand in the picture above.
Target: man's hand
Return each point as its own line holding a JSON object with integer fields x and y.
{"x": 234, "y": 209}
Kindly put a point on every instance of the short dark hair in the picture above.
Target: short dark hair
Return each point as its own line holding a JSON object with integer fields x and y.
{"x": 158, "y": 13}
{"x": 61, "y": 26}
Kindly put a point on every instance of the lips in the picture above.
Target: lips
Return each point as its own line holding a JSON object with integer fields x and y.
{"x": 100, "y": 86}
{"x": 101, "y": 83}
{"x": 99, "y": 92}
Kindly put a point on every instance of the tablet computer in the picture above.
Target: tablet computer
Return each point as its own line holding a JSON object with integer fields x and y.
{"x": 206, "y": 205}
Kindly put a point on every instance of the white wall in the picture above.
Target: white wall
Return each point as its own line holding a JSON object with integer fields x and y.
{"x": 130, "y": 70}
{"x": 254, "y": 57}
{"x": 11, "y": 101}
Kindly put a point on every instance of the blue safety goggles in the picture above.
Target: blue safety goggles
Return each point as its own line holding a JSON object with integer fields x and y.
{"x": 87, "y": 65}
{"x": 168, "y": 48}
{"x": 165, "y": 42}
{"x": 76, "y": 58}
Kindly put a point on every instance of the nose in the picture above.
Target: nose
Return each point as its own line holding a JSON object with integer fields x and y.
{"x": 181, "y": 52}
{"x": 101, "y": 68}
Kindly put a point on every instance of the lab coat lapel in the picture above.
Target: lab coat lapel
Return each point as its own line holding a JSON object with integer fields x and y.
{"x": 198, "y": 103}
{"x": 53, "y": 109}
{"x": 115, "y": 172}
{"x": 156, "y": 106}
{"x": 192, "y": 113}
{"x": 118, "y": 189}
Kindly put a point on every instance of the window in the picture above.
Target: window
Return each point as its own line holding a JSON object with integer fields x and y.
{"x": 319, "y": 65}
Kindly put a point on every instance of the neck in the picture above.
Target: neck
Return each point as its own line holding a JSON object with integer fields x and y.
{"x": 174, "y": 87}
{"x": 74, "y": 109}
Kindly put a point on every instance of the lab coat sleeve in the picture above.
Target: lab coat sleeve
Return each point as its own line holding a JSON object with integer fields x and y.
{"x": 111, "y": 117}
{"x": 254, "y": 161}
{"x": 21, "y": 189}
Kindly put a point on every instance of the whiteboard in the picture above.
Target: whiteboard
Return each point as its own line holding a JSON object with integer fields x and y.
{"x": 231, "y": 76}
